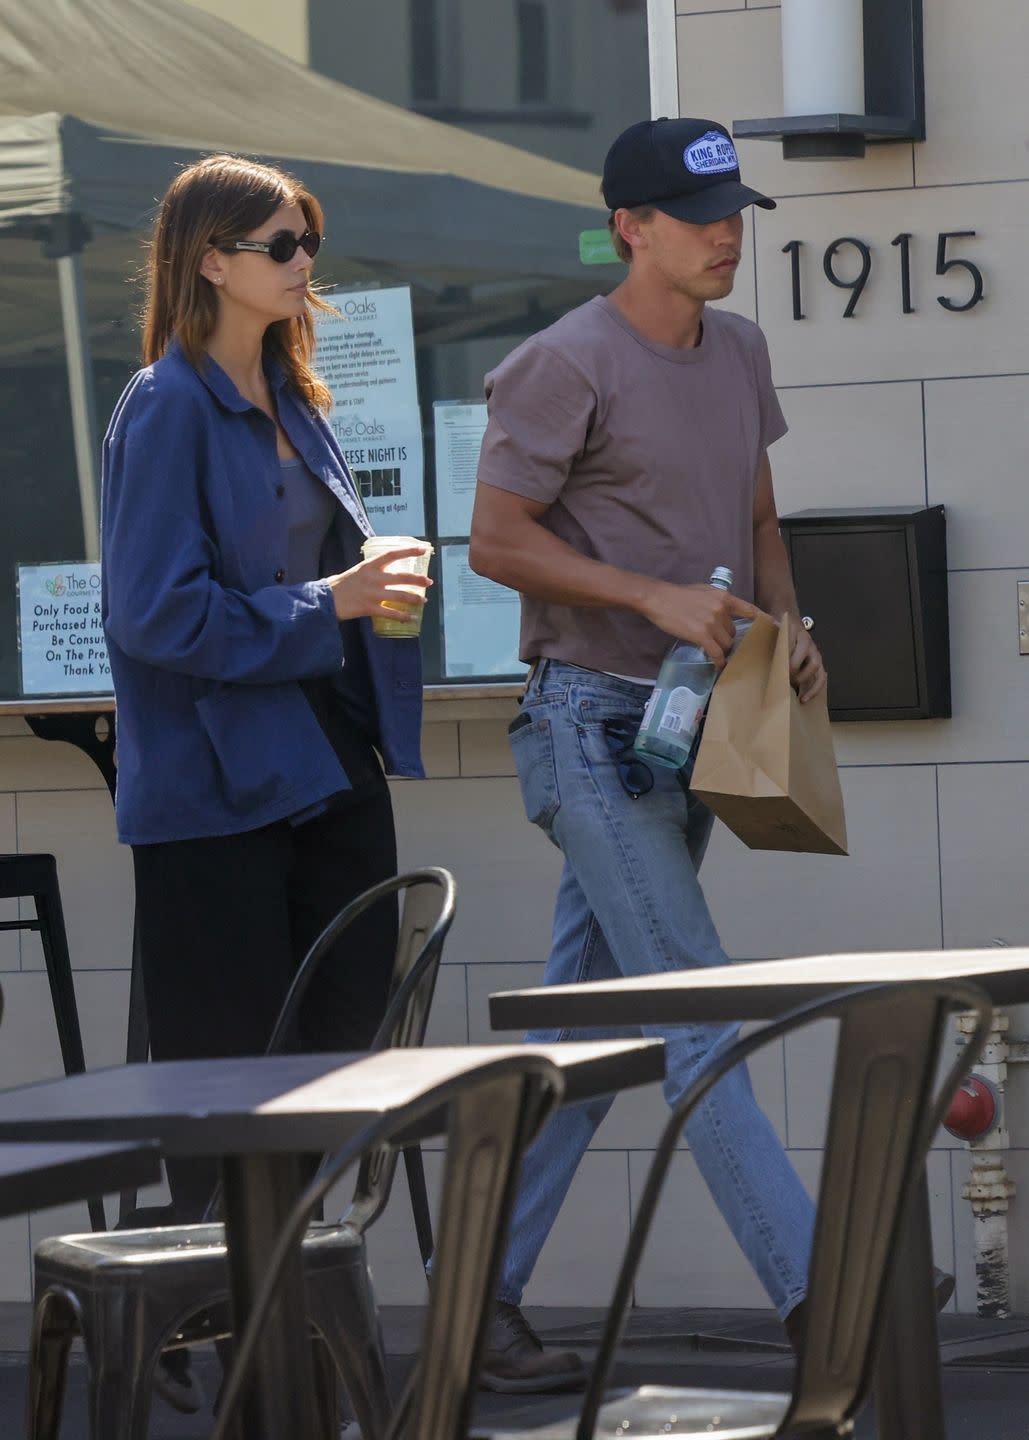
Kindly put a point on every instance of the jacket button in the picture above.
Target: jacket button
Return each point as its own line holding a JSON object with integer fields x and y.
{"x": 280, "y": 575}
{"x": 280, "y": 490}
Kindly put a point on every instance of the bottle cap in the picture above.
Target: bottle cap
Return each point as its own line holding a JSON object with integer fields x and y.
{"x": 721, "y": 576}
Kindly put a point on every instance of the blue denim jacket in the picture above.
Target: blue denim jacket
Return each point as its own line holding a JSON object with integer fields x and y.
{"x": 207, "y": 644}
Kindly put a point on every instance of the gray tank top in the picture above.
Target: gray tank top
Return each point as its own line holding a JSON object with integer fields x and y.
{"x": 343, "y": 703}
{"x": 310, "y": 507}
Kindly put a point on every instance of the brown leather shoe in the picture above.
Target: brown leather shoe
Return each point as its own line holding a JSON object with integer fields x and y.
{"x": 943, "y": 1286}
{"x": 175, "y": 1381}
{"x": 516, "y": 1362}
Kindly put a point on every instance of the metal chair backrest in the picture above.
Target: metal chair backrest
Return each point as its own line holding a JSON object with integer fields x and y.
{"x": 494, "y": 1110}
{"x": 429, "y": 903}
{"x": 490, "y": 1127}
{"x": 883, "y": 1115}
{"x": 886, "y": 1106}
{"x": 428, "y": 912}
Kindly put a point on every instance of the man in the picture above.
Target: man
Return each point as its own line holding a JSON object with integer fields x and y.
{"x": 625, "y": 457}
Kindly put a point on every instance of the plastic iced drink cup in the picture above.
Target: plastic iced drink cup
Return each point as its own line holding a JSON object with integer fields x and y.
{"x": 400, "y": 624}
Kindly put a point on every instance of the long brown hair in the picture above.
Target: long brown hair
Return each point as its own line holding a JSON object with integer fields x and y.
{"x": 217, "y": 201}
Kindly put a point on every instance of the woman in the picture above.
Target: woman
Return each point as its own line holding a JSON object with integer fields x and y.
{"x": 252, "y": 695}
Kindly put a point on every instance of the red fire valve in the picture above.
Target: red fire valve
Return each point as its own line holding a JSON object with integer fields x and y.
{"x": 973, "y": 1111}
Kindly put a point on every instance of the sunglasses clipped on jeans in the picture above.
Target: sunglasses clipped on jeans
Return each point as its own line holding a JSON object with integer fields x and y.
{"x": 281, "y": 247}
{"x": 635, "y": 774}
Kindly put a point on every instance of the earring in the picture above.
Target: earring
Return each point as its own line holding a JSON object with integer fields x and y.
{"x": 218, "y": 279}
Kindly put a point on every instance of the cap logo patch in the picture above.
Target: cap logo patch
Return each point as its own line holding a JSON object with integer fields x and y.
{"x": 713, "y": 154}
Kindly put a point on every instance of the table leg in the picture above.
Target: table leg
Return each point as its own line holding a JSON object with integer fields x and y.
{"x": 54, "y": 939}
{"x": 137, "y": 1046}
{"x": 259, "y": 1191}
{"x": 909, "y": 1403}
{"x": 96, "y": 736}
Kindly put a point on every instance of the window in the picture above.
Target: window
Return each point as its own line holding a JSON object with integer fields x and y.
{"x": 533, "y": 52}
{"x": 425, "y": 66}
{"x": 466, "y": 272}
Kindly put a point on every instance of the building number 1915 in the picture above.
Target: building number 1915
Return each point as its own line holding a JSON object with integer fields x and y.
{"x": 944, "y": 264}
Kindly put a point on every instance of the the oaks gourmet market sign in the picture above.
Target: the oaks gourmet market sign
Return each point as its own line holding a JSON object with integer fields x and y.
{"x": 60, "y": 630}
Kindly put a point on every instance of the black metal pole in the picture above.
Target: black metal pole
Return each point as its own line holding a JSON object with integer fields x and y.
{"x": 909, "y": 1403}
{"x": 258, "y": 1193}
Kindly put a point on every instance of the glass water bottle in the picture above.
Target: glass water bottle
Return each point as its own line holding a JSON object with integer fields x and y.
{"x": 677, "y": 703}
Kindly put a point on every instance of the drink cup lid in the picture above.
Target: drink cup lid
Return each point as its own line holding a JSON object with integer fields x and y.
{"x": 395, "y": 542}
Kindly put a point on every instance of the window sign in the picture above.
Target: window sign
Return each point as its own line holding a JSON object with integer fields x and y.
{"x": 459, "y": 426}
{"x": 60, "y": 631}
{"x": 366, "y": 357}
{"x": 597, "y": 248}
{"x": 480, "y": 617}
{"x": 480, "y": 620}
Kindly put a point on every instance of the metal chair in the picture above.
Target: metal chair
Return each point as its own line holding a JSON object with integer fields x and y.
{"x": 883, "y": 1115}
{"x": 133, "y": 1293}
{"x": 494, "y": 1111}
{"x": 35, "y": 876}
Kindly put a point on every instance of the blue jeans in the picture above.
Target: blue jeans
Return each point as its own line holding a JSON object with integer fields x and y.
{"x": 630, "y": 903}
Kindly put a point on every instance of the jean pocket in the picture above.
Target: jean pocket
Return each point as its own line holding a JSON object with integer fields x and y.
{"x": 611, "y": 710}
{"x": 532, "y": 745}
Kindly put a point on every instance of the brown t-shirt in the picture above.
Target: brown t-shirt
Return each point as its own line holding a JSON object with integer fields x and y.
{"x": 647, "y": 456}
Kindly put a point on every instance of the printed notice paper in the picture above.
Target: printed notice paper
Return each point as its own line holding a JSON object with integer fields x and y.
{"x": 366, "y": 357}
{"x": 60, "y": 631}
{"x": 459, "y": 426}
{"x": 480, "y": 620}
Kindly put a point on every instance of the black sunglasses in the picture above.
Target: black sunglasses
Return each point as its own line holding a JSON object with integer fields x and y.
{"x": 636, "y": 776}
{"x": 281, "y": 247}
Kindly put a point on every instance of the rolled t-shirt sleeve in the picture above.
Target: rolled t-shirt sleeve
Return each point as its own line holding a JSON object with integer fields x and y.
{"x": 773, "y": 422}
{"x": 540, "y": 411}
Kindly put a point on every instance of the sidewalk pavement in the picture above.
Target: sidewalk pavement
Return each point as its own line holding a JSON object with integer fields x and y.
{"x": 985, "y": 1375}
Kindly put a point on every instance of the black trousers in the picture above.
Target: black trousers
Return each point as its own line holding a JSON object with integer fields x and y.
{"x": 225, "y": 922}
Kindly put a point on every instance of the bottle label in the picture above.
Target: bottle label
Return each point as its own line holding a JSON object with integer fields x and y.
{"x": 652, "y": 705}
{"x": 681, "y": 712}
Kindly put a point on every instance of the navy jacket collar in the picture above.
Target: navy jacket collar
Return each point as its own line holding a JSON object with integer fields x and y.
{"x": 219, "y": 384}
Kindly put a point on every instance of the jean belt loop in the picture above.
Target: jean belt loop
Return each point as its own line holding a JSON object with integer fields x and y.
{"x": 535, "y": 680}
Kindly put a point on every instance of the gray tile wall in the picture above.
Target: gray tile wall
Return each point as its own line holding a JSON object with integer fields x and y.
{"x": 507, "y": 875}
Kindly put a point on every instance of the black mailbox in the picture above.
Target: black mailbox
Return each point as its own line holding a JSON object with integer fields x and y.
{"x": 875, "y": 582}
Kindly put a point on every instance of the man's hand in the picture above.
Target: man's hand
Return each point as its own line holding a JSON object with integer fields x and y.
{"x": 702, "y": 614}
{"x": 807, "y": 672}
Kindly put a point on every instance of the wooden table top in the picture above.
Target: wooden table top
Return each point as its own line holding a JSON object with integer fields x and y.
{"x": 756, "y": 990}
{"x": 285, "y": 1103}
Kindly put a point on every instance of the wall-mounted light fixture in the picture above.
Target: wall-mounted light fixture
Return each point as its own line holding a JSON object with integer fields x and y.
{"x": 852, "y": 74}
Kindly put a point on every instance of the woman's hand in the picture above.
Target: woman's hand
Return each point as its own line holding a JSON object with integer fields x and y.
{"x": 370, "y": 588}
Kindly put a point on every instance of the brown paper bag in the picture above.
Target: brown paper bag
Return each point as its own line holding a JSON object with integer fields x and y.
{"x": 765, "y": 764}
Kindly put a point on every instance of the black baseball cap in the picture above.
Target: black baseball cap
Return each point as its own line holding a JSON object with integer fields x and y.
{"x": 687, "y": 168}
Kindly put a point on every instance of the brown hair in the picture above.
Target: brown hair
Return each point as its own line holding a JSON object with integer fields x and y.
{"x": 621, "y": 248}
{"x": 216, "y": 201}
